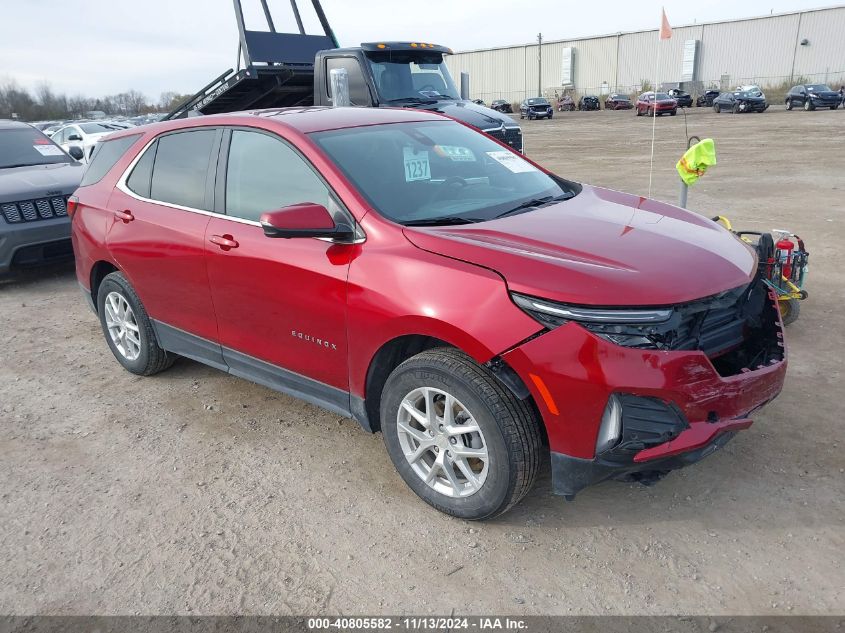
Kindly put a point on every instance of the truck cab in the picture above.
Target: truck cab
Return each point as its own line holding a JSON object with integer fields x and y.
{"x": 407, "y": 75}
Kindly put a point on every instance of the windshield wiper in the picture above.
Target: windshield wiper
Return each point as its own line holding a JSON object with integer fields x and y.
{"x": 443, "y": 221}
{"x": 415, "y": 100}
{"x": 534, "y": 203}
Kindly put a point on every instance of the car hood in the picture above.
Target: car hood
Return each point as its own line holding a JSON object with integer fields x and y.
{"x": 39, "y": 181}
{"x": 826, "y": 94}
{"x": 602, "y": 247}
{"x": 477, "y": 116}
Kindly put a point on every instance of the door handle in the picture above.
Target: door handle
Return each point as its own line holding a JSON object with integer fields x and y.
{"x": 126, "y": 216}
{"x": 225, "y": 242}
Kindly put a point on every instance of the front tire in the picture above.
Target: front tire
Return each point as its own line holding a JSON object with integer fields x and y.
{"x": 128, "y": 329}
{"x": 717, "y": 108}
{"x": 457, "y": 436}
{"x": 808, "y": 106}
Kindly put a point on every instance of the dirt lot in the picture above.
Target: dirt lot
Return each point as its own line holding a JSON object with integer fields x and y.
{"x": 193, "y": 491}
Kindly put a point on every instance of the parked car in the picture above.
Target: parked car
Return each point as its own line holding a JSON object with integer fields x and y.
{"x": 706, "y": 100}
{"x": 812, "y": 96}
{"x": 684, "y": 99}
{"x": 589, "y": 102}
{"x": 478, "y": 102}
{"x": 535, "y": 108}
{"x": 648, "y": 105}
{"x": 82, "y": 135}
{"x": 36, "y": 178}
{"x": 618, "y": 102}
{"x": 500, "y": 105}
{"x": 738, "y": 101}
{"x": 565, "y": 104}
{"x": 411, "y": 210}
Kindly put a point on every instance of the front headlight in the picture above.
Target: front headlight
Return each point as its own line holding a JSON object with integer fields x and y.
{"x": 629, "y": 327}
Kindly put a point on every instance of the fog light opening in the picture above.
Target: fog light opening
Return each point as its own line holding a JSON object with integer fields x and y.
{"x": 610, "y": 430}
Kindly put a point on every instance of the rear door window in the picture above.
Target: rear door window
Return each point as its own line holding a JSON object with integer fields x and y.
{"x": 181, "y": 168}
{"x": 105, "y": 156}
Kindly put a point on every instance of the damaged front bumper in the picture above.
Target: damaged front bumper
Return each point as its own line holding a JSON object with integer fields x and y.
{"x": 676, "y": 406}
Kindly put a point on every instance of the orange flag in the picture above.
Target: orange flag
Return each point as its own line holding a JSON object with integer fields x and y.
{"x": 665, "y": 29}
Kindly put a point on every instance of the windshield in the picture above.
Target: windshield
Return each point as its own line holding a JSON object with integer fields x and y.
{"x": 27, "y": 146}
{"x": 818, "y": 88}
{"x": 747, "y": 93}
{"x": 96, "y": 128}
{"x": 438, "y": 172}
{"x": 537, "y": 102}
{"x": 662, "y": 96}
{"x": 411, "y": 75}
{"x": 619, "y": 97}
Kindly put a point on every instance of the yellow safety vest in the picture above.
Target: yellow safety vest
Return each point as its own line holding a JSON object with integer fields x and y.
{"x": 696, "y": 160}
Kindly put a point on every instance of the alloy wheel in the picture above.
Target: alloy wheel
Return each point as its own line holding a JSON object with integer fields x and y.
{"x": 122, "y": 326}
{"x": 442, "y": 442}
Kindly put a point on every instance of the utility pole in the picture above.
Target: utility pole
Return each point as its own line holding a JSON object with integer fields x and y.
{"x": 539, "y": 64}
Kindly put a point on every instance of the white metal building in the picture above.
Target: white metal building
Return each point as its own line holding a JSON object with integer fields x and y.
{"x": 769, "y": 51}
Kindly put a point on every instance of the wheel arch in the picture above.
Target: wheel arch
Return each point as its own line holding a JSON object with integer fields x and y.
{"x": 398, "y": 349}
{"x": 99, "y": 271}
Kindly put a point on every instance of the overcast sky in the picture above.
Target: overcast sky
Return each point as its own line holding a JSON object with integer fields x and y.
{"x": 97, "y": 47}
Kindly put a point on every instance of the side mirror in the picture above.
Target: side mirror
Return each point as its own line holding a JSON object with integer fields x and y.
{"x": 304, "y": 220}
{"x": 74, "y": 137}
{"x": 76, "y": 152}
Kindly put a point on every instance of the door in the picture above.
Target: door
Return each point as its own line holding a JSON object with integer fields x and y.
{"x": 158, "y": 238}
{"x": 280, "y": 303}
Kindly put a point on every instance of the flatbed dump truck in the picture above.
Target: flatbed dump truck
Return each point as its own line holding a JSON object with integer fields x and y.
{"x": 293, "y": 70}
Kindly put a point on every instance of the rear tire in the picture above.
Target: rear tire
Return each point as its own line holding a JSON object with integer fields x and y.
{"x": 429, "y": 450}
{"x": 128, "y": 329}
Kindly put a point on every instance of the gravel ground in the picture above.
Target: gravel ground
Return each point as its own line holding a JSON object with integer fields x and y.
{"x": 195, "y": 492}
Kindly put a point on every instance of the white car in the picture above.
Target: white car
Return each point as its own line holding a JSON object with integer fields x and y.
{"x": 83, "y": 135}
{"x": 753, "y": 89}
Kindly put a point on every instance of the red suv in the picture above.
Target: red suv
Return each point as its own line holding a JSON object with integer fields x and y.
{"x": 400, "y": 268}
{"x": 648, "y": 104}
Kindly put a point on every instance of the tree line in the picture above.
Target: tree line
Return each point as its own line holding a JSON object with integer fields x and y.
{"x": 45, "y": 104}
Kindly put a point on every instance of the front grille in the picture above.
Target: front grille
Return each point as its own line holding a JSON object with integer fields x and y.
{"x": 510, "y": 136}
{"x": 34, "y": 210}
{"x": 738, "y": 329}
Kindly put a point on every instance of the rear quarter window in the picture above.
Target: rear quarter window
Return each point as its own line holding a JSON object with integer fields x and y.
{"x": 105, "y": 156}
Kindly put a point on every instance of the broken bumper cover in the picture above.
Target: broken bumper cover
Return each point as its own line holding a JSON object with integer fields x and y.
{"x": 570, "y": 475}
{"x": 676, "y": 408}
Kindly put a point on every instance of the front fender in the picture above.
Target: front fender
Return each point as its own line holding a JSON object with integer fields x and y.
{"x": 398, "y": 290}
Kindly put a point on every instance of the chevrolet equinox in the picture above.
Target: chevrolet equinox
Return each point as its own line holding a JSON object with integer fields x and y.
{"x": 405, "y": 270}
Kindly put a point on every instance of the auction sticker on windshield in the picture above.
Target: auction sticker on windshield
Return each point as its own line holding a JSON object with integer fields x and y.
{"x": 512, "y": 162}
{"x": 48, "y": 150}
{"x": 416, "y": 165}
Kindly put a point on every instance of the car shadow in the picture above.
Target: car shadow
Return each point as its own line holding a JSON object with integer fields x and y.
{"x": 61, "y": 271}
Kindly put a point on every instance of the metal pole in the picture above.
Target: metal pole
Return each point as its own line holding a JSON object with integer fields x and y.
{"x": 539, "y": 64}
{"x": 268, "y": 16}
{"x": 297, "y": 16}
{"x": 683, "y": 200}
